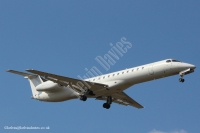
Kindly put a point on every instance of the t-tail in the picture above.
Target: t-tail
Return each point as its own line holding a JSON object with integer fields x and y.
{"x": 34, "y": 80}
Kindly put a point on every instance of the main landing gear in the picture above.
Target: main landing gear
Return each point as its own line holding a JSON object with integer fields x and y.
{"x": 108, "y": 103}
{"x": 83, "y": 98}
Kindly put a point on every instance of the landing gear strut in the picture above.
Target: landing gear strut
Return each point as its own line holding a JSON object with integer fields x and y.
{"x": 108, "y": 103}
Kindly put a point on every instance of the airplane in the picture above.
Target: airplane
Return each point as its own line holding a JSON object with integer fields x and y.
{"x": 109, "y": 87}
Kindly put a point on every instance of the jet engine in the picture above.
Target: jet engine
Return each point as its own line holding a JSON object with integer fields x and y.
{"x": 48, "y": 86}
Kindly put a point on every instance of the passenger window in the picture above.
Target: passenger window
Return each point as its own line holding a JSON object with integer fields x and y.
{"x": 108, "y": 75}
{"x": 93, "y": 79}
{"x": 137, "y": 69}
{"x": 132, "y": 70}
{"x": 104, "y": 77}
{"x": 142, "y": 67}
{"x": 99, "y": 77}
{"x": 118, "y": 74}
{"x": 113, "y": 74}
{"x": 122, "y": 72}
{"x": 127, "y": 71}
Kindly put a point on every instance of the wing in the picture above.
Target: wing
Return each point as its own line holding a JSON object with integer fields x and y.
{"x": 124, "y": 99}
{"x": 73, "y": 83}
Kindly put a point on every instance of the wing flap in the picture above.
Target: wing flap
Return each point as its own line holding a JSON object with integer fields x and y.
{"x": 123, "y": 99}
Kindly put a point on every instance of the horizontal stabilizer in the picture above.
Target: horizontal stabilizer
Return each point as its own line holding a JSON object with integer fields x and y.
{"x": 21, "y": 73}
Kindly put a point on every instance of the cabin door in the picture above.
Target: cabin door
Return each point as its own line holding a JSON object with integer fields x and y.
{"x": 151, "y": 72}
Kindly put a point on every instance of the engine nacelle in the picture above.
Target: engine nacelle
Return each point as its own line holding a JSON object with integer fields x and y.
{"x": 48, "y": 86}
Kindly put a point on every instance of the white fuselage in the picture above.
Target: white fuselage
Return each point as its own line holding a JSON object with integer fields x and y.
{"x": 121, "y": 80}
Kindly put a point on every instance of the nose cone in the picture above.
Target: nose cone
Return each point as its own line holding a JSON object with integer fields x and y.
{"x": 191, "y": 66}
{"x": 186, "y": 66}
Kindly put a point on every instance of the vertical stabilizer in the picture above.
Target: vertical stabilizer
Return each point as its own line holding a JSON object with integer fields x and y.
{"x": 34, "y": 80}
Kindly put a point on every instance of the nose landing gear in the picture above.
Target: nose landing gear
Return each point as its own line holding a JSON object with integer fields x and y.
{"x": 181, "y": 80}
{"x": 185, "y": 72}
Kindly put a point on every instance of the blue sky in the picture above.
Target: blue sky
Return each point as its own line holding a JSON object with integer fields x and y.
{"x": 65, "y": 37}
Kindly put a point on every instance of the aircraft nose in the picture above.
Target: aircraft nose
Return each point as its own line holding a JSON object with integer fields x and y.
{"x": 191, "y": 66}
{"x": 187, "y": 65}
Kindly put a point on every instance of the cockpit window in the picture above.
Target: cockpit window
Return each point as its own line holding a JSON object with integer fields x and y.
{"x": 175, "y": 61}
{"x": 168, "y": 61}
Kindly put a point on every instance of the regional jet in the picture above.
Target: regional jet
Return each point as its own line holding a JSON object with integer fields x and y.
{"x": 109, "y": 87}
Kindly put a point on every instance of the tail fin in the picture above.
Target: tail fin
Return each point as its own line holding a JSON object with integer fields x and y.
{"x": 33, "y": 79}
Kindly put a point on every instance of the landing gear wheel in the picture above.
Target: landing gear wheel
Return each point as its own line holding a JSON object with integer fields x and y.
{"x": 181, "y": 80}
{"x": 91, "y": 93}
{"x": 108, "y": 102}
{"x": 106, "y": 105}
{"x": 83, "y": 98}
